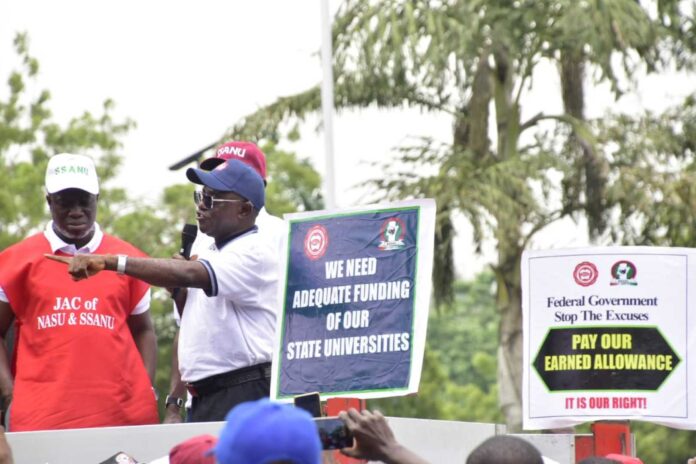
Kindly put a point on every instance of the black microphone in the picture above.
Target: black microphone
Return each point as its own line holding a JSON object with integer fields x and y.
{"x": 188, "y": 236}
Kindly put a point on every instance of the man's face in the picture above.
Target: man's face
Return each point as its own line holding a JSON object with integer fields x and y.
{"x": 223, "y": 218}
{"x": 74, "y": 212}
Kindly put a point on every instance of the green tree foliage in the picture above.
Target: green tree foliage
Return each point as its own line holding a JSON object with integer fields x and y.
{"x": 458, "y": 381}
{"x": 475, "y": 60}
{"x": 294, "y": 184}
{"x": 651, "y": 440}
{"x": 467, "y": 334}
{"x": 28, "y": 136}
{"x": 652, "y": 156}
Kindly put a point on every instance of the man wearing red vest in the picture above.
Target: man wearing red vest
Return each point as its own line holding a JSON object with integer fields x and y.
{"x": 85, "y": 352}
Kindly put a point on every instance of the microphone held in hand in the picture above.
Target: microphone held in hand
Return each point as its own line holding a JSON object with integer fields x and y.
{"x": 188, "y": 236}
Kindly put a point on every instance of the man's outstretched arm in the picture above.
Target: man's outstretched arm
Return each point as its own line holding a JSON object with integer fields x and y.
{"x": 155, "y": 271}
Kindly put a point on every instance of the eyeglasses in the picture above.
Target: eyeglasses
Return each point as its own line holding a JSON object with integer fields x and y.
{"x": 209, "y": 200}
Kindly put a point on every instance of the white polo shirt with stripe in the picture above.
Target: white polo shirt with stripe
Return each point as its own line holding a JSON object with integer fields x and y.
{"x": 234, "y": 325}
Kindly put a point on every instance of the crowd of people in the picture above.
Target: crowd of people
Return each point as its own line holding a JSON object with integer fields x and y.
{"x": 262, "y": 432}
{"x": 83, "y": 340}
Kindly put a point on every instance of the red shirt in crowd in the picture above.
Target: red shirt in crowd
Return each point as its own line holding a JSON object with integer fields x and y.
{"x": 75, "y": 362}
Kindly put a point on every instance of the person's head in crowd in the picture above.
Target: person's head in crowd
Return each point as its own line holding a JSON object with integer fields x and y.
{"x": 505, "y": 449}
{"x": 196, "y": 450}
{"x": 231, "y": 197}
{"x": 623, "y": 458}
{"x": 246, "y": 152}
{"x": 263, "y": 432}
{"x": 597, "y": 460}
{"x": 72, "y": 190}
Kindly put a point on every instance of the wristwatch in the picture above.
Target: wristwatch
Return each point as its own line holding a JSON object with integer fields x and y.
{"x": 121, "y": 264}
{"x": 174, "y": 400}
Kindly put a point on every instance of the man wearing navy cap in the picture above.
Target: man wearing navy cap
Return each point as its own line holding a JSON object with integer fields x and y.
{"x": 271, "y": 228}
{"x": 229, "y": 317}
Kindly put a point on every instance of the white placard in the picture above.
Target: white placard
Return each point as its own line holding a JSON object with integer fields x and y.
{"x": 606, "y": 336}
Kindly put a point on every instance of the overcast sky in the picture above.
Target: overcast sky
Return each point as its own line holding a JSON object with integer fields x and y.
{"x": 184, "y": 71}
{"x": 187, "y": 71}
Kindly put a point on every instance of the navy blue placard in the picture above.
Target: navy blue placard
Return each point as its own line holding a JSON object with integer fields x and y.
{"x": 347, "y": 322}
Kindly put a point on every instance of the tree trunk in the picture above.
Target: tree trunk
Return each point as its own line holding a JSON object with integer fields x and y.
{"x": 509, "y": 237}
{"x": 470, "y": 132}
{"x": 593, "y": 165}
{"x": 509, "y": 302}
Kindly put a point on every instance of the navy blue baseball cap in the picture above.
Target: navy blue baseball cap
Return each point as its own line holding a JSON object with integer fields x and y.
{"x": 232, "y": 176}
{"x": 259, "y": 432}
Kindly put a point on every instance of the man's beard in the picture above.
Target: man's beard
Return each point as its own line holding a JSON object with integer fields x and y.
{"x": 72, "y": 235}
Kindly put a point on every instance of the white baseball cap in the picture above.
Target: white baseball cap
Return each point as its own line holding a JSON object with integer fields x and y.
{"x": 66, "y": 171}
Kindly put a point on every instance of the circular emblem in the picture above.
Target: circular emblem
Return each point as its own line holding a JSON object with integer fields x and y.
{"x": 316, "y": 241}
{"x": 585, "y": 274}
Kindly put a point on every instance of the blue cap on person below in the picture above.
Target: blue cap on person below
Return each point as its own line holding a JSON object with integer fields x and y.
{"x": 259, "y": 432}
{"x": 232, "y": 176}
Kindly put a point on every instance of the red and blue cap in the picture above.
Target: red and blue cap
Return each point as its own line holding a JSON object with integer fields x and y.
{"x": 195, "y": 450}
{"x": 232, "y": 176}
{"x": 259, "y": 432}
{"x": 623, "y": 459}
{"x": 247, "y": 152}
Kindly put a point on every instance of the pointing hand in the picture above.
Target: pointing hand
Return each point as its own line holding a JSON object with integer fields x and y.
{"x": 81, "y": 266}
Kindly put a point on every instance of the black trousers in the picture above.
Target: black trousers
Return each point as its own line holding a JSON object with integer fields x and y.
{"x": 213, "y": 397}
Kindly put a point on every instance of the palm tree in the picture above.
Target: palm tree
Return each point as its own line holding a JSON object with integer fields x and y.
{"x": 475, "y": 61}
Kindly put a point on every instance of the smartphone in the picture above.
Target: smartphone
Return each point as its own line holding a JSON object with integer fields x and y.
{"x": 310, "y": 402}
{"x": 333, "y": 433}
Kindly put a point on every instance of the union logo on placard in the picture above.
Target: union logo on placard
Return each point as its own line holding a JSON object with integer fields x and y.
{"x": 623, "y": 273}
{"x": 585, "y": 274}
{"x": 392, "y": 233}
{"x": 316, "y": 241}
